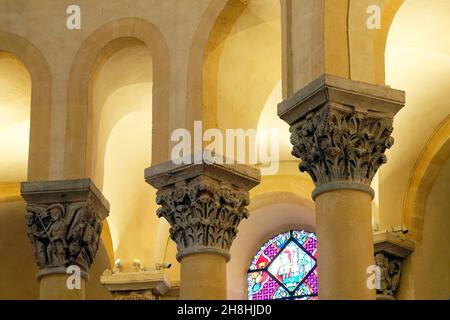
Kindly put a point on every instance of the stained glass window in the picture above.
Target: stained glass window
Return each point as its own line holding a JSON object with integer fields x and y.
{"x": 285, "y": 267}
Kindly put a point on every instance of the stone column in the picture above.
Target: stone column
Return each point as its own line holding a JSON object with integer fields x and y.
{"x": 204, "y": 204}
{"x": 64, "y": 224}
{"x": 340, "y": 130}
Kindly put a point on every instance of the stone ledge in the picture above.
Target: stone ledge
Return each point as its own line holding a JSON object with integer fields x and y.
{"x": 156, "y": 282}
{"x": 332, "y": 89}
{"x": 390, "y": 243}
{"x": 168, "y": 173}
{"x": 43, "y": 192}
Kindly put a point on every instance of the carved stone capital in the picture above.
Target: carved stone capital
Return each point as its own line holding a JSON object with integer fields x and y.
{"x": 203, "y": 203}
{"x": 64, "y": 223}
{"x": 390, "y": 251}
{"x": 340, "y": 129}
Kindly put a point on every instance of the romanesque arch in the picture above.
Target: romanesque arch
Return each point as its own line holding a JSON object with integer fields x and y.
{"x": 41, "y": 102}
{"x": 408, "y": 58}
{"x": 229, "y": 78}
{"x": 427, "y": 168}
{"x": 104, "y": 43}
{"x": 117, "y": 35}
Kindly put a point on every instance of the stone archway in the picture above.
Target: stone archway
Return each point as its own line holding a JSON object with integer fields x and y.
{"x": 93, "y": 49}
{"x": 41, "y": 102}
{"x": 432, "y": 159}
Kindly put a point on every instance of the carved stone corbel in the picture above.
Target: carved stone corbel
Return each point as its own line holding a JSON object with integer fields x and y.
{"x": 203, "y": 203}
{"x": 390, "y": 252}
{"x": 64, "y": 223}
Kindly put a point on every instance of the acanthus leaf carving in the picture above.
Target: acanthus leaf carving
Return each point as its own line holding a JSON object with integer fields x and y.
{"x": 203, "y": 214}
{"x": 339, "y": 143}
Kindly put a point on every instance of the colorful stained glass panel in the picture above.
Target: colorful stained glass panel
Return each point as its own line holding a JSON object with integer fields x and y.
{"x": 261, "y": 286}
{"x": 285, "y": 267}
{"x": 291, "y": 266}
{"x": 311, "y": 281}
{"x": 268, "y": 251}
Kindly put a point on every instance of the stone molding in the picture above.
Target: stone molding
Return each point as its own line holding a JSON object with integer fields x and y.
{"x": 203, "y": 203}
{"x": 392, "y": 244}
{"x": 142, "y": 285}
{"x": 64, "y": 223}
{"x": 390, "y": 251}
{"x": 340, "y": 129}
{"x": 168, "y": 173}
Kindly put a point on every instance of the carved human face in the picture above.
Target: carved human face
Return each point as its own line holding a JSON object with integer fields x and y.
{"x": 379, "y": 260}
{"x": 55, "y": 214}
{"x": 87, "y": 216}
{"x": 29, "y": 218}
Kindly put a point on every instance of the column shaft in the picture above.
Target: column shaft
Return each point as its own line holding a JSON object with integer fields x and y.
{"x": 344, "y": 237}
{"x": 203, "y": 277}
{"x": 54, "y": 287}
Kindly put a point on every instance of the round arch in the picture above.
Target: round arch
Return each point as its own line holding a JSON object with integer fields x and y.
{"x": 41, "y": 102}
{"x": 364, "y": 46}
{"x": 106, "y": 40}
{"x": 427, "y": 168}
{"x": 15, "y": 104}
{"x": 213, "y": 49}
{"x": 367, "y": 47}
{"x": 219, "y": 24}
{"x": 95, "y": 165}
{"x": 196, "y": 58}
{"x": 417, "y": 62}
